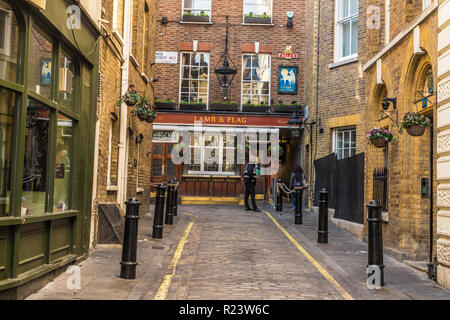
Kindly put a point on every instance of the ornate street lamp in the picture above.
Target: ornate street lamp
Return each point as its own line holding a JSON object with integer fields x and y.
{"x": 226, "y": 73}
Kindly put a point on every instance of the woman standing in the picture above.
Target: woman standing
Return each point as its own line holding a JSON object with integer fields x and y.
{"x": 298, "y": 179}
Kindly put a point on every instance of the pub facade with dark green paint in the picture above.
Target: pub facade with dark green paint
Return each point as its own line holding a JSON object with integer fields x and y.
{"x": 48, "y": 96}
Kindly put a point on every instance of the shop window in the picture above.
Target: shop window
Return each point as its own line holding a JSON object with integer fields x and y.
{"x": 9, "y": 43}
{"x": 119, "y": 16}
{"x": 197, "y": 10}
{"x": 40, "y": 62}
{"x": 256, "y": 78}
{"x": 7, "y": 106}
{"x": 36, "y": 159}
{"x": 63, "y": 164}
{"x": 346, "y": 29}
{"x": 211, "y": 154}
{"x": 194, "y": 77}
{"x": 258, "y": 11}
{"x": 344, "y": 142}
{"x": 66, "y": 84}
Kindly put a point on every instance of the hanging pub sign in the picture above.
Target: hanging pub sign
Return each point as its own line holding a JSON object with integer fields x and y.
{"x": 287, "y": 82}
{"x": 288, "y": 54}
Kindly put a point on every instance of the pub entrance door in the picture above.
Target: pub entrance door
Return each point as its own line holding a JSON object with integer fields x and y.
{"x": 163, "y": 169}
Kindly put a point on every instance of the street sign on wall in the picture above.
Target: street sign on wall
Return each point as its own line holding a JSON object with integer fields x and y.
{"x": 166, "y": 57}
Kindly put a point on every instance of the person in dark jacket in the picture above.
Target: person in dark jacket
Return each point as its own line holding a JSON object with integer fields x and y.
{"x": 250, "y": 182}
{"x": 298, "y": 179}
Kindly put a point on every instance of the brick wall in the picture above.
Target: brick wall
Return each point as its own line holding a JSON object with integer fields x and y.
{"x": 175, "y": 36}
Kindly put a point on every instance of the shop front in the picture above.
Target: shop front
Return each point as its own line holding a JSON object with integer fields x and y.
{"x": 47, "y": 111}
{"x": 212, "y": 150}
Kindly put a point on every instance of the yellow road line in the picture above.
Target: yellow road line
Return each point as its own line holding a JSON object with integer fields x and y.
{"x": 321, "y": 269}
{"x": 164, "y": 288}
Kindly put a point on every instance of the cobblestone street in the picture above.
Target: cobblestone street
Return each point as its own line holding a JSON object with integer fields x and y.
{"x": 230, "y": 253}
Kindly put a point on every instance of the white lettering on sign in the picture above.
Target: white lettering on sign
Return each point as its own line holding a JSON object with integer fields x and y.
{"x": 166, "y": 57}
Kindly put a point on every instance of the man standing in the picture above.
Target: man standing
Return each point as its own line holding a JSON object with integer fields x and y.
{"x": 250, "y": 182}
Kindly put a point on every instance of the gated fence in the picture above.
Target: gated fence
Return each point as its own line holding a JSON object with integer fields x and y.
{"x": 345, "y": 181}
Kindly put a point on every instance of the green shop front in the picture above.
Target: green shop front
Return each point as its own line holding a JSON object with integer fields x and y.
{"x": 48, "y": 77}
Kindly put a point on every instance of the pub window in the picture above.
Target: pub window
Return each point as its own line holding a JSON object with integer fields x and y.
{"x": 197, "y": 8}
{"x": 9, "y": 43}
{"x": 211, "y": 154}
{"x": 346, "y": 29}
{"x": 256, "y": 78}
{"x": 344, "y": 142}
{"x": 257, "y": 9}
{"x": 40, "y": 62}
{"x": 194, "y": 77}
{"x": 66, "y": 84}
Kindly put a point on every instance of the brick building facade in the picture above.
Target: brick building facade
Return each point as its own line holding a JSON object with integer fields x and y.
{"x": 258, "y": 32}
{"x": 126, "y": 50}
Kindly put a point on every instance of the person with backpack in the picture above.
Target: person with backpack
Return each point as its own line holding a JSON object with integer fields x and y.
{"x": 250, "y": 183}
{"x": 298, "y": 179}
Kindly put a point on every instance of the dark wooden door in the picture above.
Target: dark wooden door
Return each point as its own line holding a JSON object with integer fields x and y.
{"x": 163, "y": 169}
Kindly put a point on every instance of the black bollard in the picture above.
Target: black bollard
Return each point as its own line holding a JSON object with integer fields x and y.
{"x": 158, "y": 220}
{"x": 298, "y": 205}
{"x": 375, "y": 251}
{"x": 279, "y": 198}
{"x": 323, "y": 217}
{"x": 129, "y": 249}
{"x": 169, "y": 203}
{"x": 175, "y": 198}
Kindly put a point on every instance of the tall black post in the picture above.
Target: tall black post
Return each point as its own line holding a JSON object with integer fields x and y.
{"x": 169, "y": 204}
{"x": 129, "y": 249}
{"x": 323, "y": 217}
{"x": 175, "y": 197}
{"x": 158, "y": 220}
{"x": 279, "y": 198}
{"x": 298, "y": 205}
{"x": 375, "y": 251}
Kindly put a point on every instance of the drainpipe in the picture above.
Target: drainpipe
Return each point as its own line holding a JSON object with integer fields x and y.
{"x": 121, "y": 170}
{"x": 431, "y": 274}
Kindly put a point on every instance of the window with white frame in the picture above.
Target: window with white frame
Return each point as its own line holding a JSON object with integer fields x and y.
{"x": 211, "y": 153}
{"x": 256, "y": 71}
{"x": 258, "y": 8}
{"x": 119, "y": 16}
{"x": 194, "y": 79}
{"x": 346, "y": 29}
{"x": 344, "y": 142}
{"x": 197, "y": 8}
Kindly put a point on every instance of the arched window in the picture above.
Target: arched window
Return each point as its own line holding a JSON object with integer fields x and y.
{"x": 9, "y": 43}
{"x": 424, "y": 94}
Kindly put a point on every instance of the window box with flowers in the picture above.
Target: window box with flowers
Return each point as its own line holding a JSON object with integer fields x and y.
{"x": 165, "y": 105}
{"x": 415, "y": 123}
{"x": 250, "y": 107}
{"x": 189, "y": 16}
{"x": 380, "y": 137}
{"x": 257, "y": 19}
{"x": 223, "y": 106}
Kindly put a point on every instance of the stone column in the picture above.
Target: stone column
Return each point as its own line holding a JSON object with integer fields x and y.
{"x": 443, "y": 145}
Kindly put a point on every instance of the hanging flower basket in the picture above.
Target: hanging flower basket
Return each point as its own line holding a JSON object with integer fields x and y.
{"x": 144, "y": 110}
{"x": 130, "y": 98}
{"x": 415, "y": 123}
{"x": 380, "y": 137}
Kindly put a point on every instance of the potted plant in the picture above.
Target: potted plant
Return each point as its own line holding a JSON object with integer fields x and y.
{"x": 223, "y": 106}
{"x": 144, "y": 111}
{"x": 379, "y": 137}
{"x": 286, "y": 108}
{"x": 185, "y": 105}
{"x": 188, "y": 16}
{"x": 260, "y": 19}
{"x": 251, "y": 107}
{"x": 415, "y": 123}
{"x": 130, "y": 98}
{"x": 164, "y": 105}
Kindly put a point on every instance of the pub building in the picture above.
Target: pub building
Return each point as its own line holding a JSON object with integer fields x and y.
{"x": 231, "y": 67}
{"x": 48, "y": 77}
